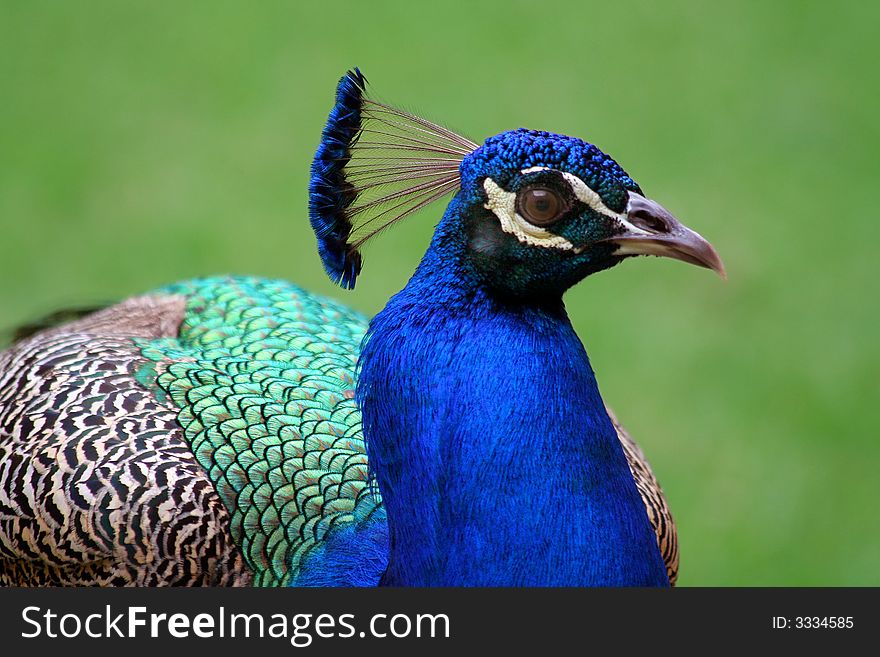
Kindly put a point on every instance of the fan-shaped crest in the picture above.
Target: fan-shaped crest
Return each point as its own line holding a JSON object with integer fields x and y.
{"x": 375, "y": 165}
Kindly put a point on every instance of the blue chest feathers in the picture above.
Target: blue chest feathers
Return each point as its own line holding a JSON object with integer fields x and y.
{"x": 495, "y": 456}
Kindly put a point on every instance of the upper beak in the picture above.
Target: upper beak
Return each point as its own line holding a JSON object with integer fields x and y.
{"x": 654, "y": 231}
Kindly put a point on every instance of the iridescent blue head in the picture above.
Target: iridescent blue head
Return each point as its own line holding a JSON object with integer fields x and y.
{"x": 535, "y": 211}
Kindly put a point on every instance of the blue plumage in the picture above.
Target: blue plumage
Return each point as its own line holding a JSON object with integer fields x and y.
{"x": 329, "y": 193}
{"x": 353, "y": 555}
{"x": 503, "y": 156}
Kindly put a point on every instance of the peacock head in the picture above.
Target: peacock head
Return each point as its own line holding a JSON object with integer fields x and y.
{"x": 534, "y": 212}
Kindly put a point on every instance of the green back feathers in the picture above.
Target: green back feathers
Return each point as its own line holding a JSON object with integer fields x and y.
{"x": 263, "y": 374}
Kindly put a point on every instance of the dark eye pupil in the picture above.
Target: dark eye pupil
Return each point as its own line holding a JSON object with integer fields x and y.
{"x": 540, "y": 206}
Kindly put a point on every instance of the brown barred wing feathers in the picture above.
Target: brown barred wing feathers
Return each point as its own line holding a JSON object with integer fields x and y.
{"x": 653, "y": 497}
{"x": 97, "y": 484}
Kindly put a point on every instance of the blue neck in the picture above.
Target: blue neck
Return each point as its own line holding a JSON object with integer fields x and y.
{"x": 495, "y": 457}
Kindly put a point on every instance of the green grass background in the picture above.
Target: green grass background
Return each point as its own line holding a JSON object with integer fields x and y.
{"x": 142, "y": 143}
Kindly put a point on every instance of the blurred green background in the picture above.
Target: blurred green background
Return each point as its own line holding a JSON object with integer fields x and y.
{"x": 142, "y": 143}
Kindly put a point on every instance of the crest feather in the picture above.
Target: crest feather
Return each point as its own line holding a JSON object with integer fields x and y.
{"x": 375, "y": 165}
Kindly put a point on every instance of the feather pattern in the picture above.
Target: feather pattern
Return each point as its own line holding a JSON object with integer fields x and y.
{"x": 140, "y": 393}
{"x": 375, "y": 165}
{"x": 97, "y": 484}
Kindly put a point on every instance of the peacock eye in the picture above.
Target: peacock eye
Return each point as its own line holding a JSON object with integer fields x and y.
{"x": 540, "y": 206}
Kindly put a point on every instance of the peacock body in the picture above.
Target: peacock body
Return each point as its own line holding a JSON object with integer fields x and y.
{"x": 235, "y": 431}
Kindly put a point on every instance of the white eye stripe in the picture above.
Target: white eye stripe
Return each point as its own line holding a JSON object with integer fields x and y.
{"x": 588, "y": 197}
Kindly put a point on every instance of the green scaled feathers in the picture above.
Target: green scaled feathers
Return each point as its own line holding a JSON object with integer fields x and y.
{"x": 263, "y": 373}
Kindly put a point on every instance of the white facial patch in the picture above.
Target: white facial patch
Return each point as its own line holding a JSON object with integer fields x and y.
{"x": 503, "y": 204}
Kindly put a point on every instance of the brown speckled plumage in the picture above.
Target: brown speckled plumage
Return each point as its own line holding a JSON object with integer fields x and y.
{"x": 97, "y": 485}
{"x": 652, "y": 496}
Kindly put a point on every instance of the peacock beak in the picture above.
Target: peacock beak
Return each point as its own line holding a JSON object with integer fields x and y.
{"x": 652, "y": 230}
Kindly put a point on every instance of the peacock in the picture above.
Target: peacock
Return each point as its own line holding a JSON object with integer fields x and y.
{"x": 238, "y": 430}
